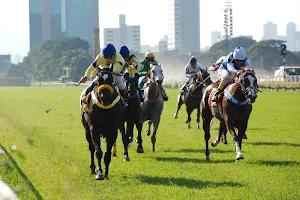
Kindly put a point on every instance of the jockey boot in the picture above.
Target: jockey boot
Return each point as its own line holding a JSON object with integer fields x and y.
{"x": 87, "y": 96}
{"x": 124, "y": 96}
{"x": 220, "y": 89}
{"x": 215, "y": 98}
{"x": 163, "y": 93}
{"x": 141, "y": 93}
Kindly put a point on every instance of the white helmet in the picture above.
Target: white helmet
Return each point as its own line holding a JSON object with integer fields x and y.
{"x": 239, "y": 53}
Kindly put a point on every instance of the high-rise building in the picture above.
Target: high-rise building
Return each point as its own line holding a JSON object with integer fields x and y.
{"x": 124, "y": 35}
{"x": 297, "y": 38}
{"x": 215, "y": 37}
{"x": 290, "y": 35}
{"x": 270, "y": 31}
{"x": 184, "y": 26}
{"x": 58, "y": 18}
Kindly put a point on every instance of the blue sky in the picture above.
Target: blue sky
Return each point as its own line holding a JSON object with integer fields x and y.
{"x": 248, "y": 16}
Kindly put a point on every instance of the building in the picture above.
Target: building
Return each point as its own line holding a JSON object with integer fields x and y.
{"x": 270, "y": 31}
{"x": 58, "y": 18}
{"x": 184, "y": 26}
{"x": 215, "y": 37}
{"x": 290, "y": 35}
{"x": 124, "y": 35}
{"x": 146, "y": 48}
{"x": 297, "y": 38}
{"x": 162, "y": 46}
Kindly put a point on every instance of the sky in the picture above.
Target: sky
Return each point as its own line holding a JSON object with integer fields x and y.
{"x": 248, "y": 19}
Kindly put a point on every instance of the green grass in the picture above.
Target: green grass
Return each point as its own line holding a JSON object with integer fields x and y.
{"x": 52, "y": 153}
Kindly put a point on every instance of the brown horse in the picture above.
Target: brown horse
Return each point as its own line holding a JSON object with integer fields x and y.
{"x": 233, "y": 110}
{"x": 193, "y": 96}
{"x": 102, "y": 120}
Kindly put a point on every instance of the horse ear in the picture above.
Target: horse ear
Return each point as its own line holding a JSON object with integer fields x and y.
{"x": 126, "y": 76}
{"x": 137, "y": 76}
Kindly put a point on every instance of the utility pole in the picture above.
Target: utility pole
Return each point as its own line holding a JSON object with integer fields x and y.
{"x": 228, "y": 21}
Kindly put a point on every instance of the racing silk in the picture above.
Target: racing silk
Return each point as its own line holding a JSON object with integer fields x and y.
{"x": 191, "y": 71}
{"x": 100, "y": 61}
{"x": 132, "y": 60}
{"x": 145, "y": 67}
{"x": 230, "y": 66}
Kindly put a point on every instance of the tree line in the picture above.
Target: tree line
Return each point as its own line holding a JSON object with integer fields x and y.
{"x": 47, "y": 61}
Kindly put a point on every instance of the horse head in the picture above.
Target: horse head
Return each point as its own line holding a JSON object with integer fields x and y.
{"x": 156, "y": 73}
{"x": 131, "y": 84}
{"x": 248, "y": 84}
{"x": 106, "y": 86}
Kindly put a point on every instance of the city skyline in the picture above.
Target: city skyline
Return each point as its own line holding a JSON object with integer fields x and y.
{"x": 14, "y": 33}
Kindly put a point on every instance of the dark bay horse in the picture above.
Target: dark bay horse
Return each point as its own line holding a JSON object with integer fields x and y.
{"x": 233, "y": 110}
{"x": 193, "y": 96}
{"x": 152, "y": 106}
{"x": 102, "y": 120}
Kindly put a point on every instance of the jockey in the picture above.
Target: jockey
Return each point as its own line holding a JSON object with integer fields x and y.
{"x": 131, "y": 60}
{"x": 233, "y": 62}
{"x": 191, "y": 69}
{"x": 145, "y": 71}
{"x": 108, "y": 57}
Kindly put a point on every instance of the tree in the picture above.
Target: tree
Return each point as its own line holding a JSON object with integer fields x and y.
{"x": 268, "y": 53}
{"x": 45, "y": 62}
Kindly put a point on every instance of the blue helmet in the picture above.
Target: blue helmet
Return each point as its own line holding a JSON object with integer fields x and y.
{"x": 124, "y": 51}
{"x": 193, "y": 59}
{"x": 109, "y": 50}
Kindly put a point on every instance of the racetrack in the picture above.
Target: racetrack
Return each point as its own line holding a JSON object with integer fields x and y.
{"x": 52, "y": 154}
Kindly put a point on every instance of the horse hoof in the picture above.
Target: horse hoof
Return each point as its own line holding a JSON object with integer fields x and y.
{"x": 198, "y": 127}
{"x": 126, "y": 158}
{"x": 239, "y": 156}
{"x": 207, "y": 158}
{"x": 99, "y": 177}
{"x": 189, "y": 126}
{"x": 186, "y": 121}
{"x": 140, "y": 150}
{"x": 114, "y": 154}
{"x": 175, "y": 116}
{"x": 245, "y": 137}
{"x": 214, "y": 143}
{"x": 93, "y": 172}
{"x": 148, "y": 132}
{"x": 106, "y": 177}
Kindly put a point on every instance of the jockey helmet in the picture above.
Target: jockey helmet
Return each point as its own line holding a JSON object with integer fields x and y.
{"x": 149, "y": 55}
{"x": 109, "y": 50}
{"x": 193, "y": 60}
{"x": 124, "y": 51}
{"x": 239, "y": 53}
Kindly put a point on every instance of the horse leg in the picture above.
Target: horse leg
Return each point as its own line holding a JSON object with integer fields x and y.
{"x": 149, "y": 127}
{"x": 125, "y": 140}
{"x": 107, "y": 157}
{"x": 96, "y": 141}
{"x": 140, "y": 148}
{"x": 198, "y": 117}
{"x": 206, "y": 127}
{"x": 224, "y": 133}
{"x": 236, "y": 141}
{"x": 189, "y": 119}
{"x": 153, "y": 137}
{"x": 129, "y": 131}
{"x": 92, "y": 150}
{"x": 220, "y": 135}
{"x": 90, "y": 141}
{"x": 179, "y": 104}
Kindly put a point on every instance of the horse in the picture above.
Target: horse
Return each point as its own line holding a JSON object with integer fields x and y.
{"x": 192, "y": 97}
{"x": 233, "y": 110}
{"x": 133, "y": 110}
{"x": 152, "y": 106}
{"x": 102, "y": 120}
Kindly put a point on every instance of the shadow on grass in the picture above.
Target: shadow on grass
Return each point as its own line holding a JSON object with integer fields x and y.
{"x": 184, "y": 182}
{"x": 274, "y": 144}
{"x": 212, "y": 150}
{"x": 194, "y": 160}
{"x": 24, "y": 177}
{"x": 274, "y": 163}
